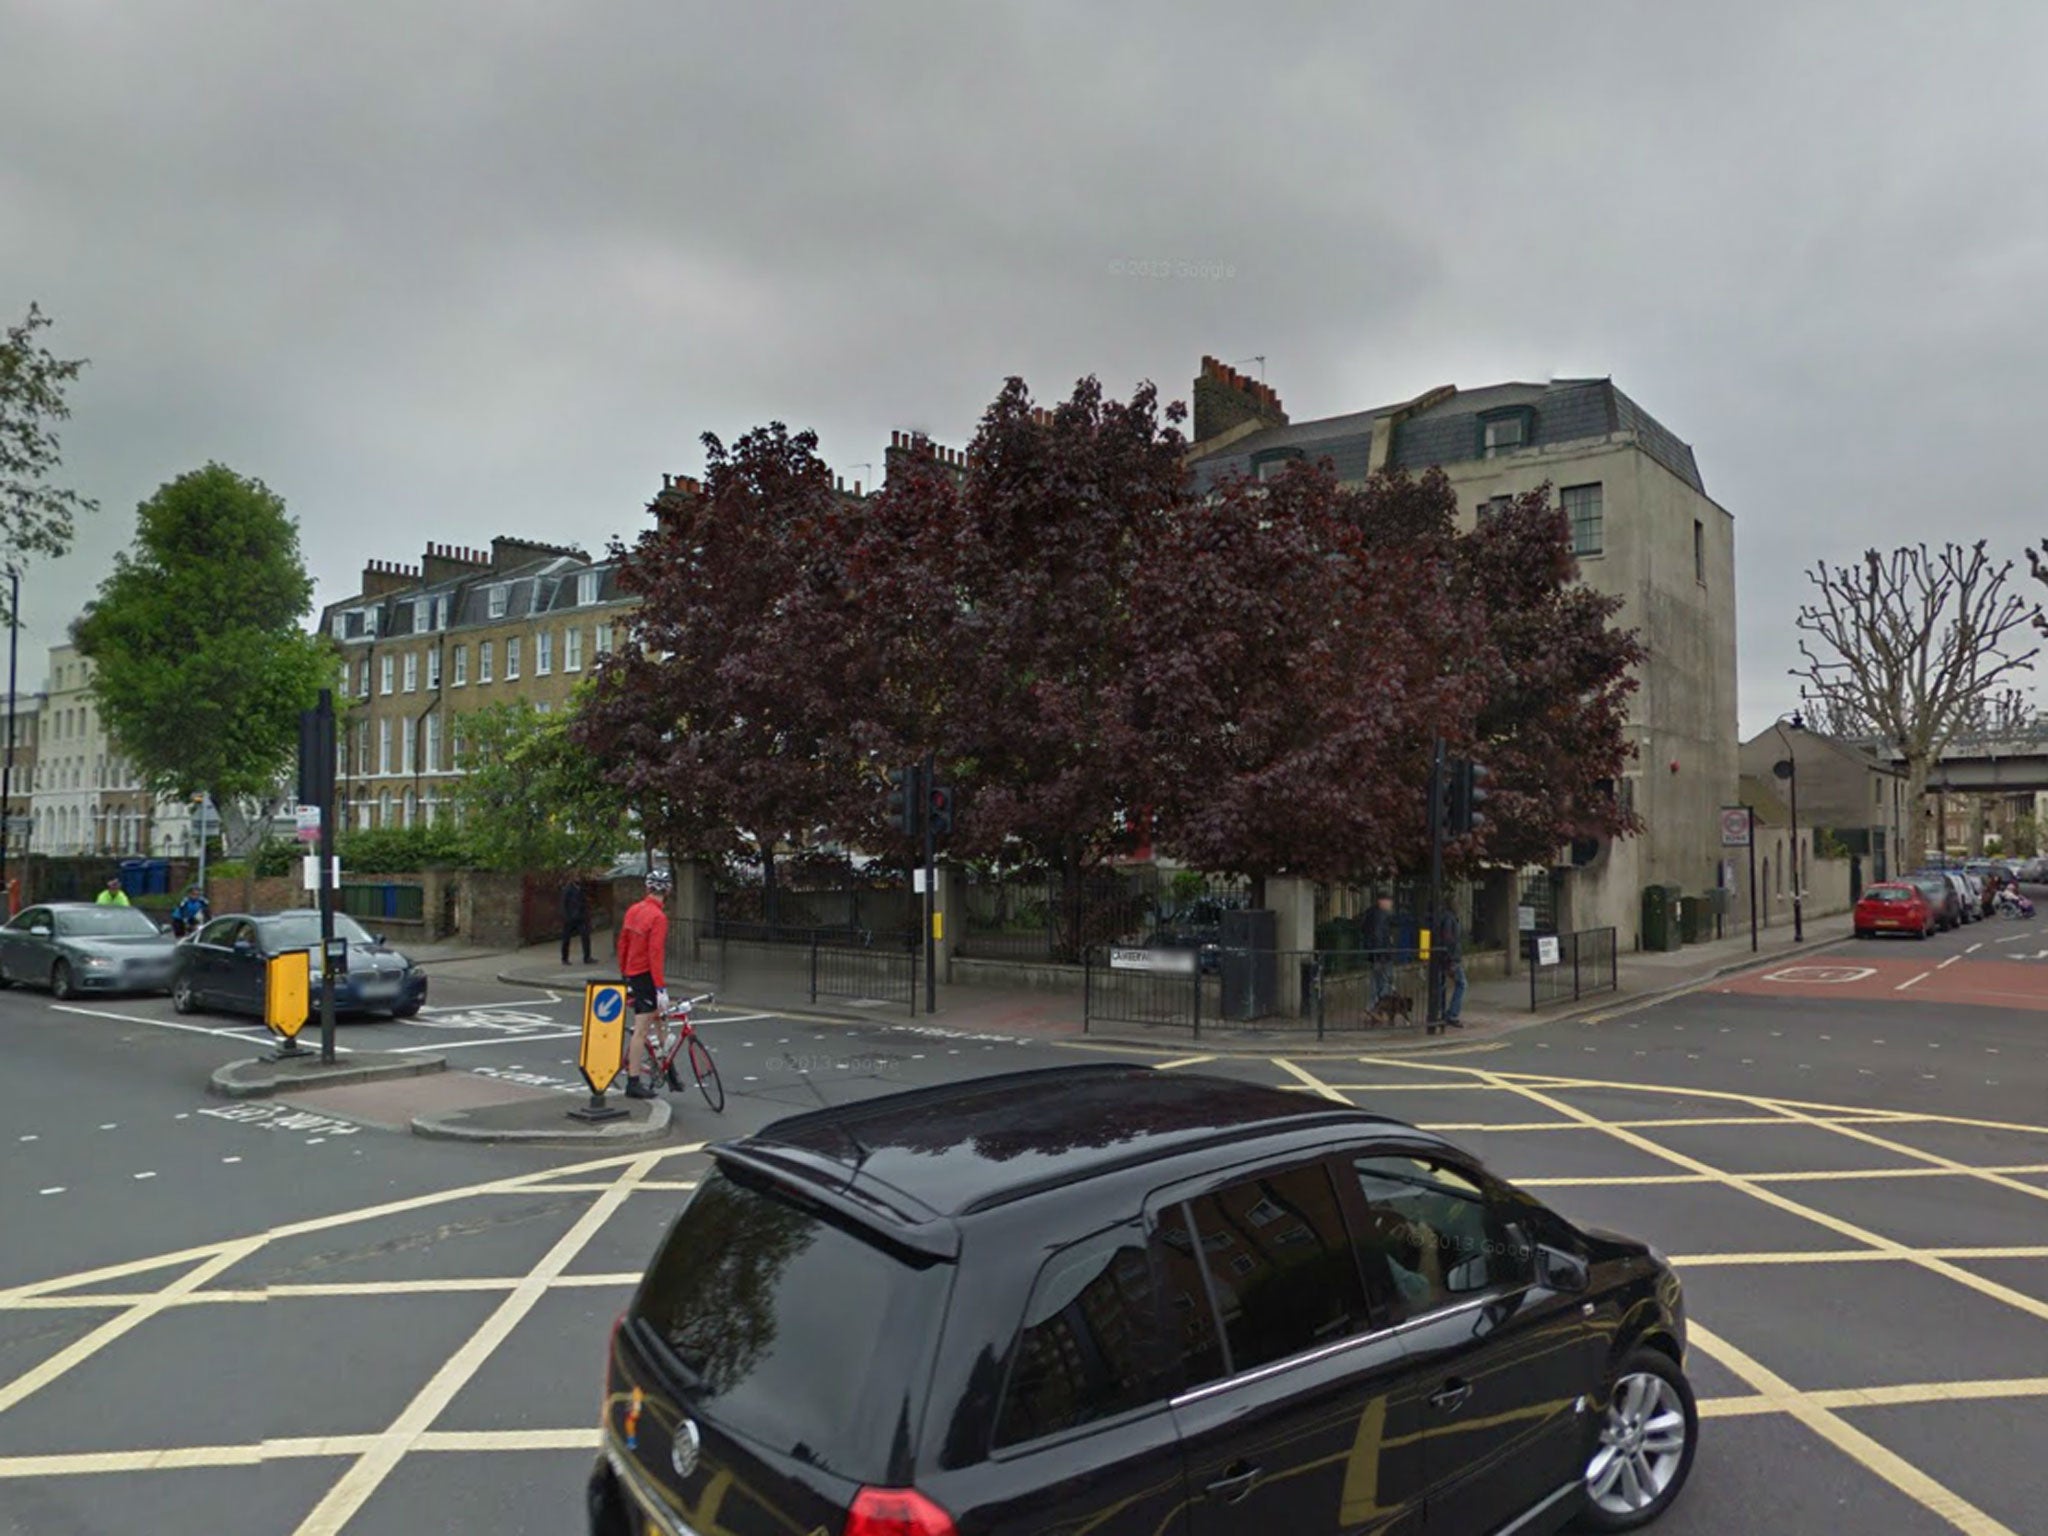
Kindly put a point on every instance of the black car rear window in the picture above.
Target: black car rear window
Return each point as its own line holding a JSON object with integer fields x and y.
{"x": 1888, "y": 893}
{"x": 791, "y": 1331}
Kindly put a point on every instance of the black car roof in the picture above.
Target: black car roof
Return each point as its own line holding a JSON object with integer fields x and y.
{"x": 934, "y": 1153}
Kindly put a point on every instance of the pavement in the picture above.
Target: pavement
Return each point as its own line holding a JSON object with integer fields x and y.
{"x": 289, "y": 1315}
{"x": 1494, "y": 1006}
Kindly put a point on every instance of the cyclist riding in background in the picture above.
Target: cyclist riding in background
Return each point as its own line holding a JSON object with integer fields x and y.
{"x": 643, "y": 943}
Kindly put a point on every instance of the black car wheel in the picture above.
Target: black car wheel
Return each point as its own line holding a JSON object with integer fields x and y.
{"x": 1645, "y": 1446}
{"x": 61, "y": 987}
{"x": 183, "y": 998}
{"x": 405, "y": 1011}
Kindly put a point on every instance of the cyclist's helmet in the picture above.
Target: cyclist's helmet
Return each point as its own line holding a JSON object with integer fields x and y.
{"x": 660, "y": 881}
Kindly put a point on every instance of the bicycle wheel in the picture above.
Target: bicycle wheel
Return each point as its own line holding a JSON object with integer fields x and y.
{"x": 706, "y": 1071}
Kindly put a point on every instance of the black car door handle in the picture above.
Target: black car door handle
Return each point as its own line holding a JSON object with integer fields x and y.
{"x": 1450, "y": 1397}
{"x": 1236, "y": 1482}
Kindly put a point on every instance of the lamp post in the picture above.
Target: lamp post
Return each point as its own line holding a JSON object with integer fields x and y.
{"x": 7, "y": 773}
{"x": 1788, "y": 769}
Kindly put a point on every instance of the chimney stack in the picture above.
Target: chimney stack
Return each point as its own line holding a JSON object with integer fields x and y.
{"x": 1225, "y": 398}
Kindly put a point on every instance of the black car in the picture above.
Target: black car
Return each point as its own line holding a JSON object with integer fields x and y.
{"x": 1113, "y": 1300}
{"x": 222, "y": 965}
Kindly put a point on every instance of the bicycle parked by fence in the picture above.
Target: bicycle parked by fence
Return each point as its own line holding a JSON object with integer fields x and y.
{"x": 666, "y": 1043}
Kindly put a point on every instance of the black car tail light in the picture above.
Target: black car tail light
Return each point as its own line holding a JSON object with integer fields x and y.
{"x": 896, "y": 1512}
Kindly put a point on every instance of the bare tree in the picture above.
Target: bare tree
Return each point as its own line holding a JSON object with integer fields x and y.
{"x": 1913, "y": 643}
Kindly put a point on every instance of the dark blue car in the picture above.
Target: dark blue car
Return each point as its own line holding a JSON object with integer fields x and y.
{"x": 222, "y": 966}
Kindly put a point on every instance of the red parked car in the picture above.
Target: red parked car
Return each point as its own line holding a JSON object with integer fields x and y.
{"x": 1896, "y": 907}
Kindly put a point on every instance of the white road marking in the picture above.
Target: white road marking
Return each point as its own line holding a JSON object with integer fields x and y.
{"x": 112, "y": 1125}
{"x": 461, "y": 1045}
{"x": 149, "y": 1175}
{"x": 231, "y": 1159}
{"x": 1912, "y": 981}
{"x": 1951, "y": 960}
{"x": 1973, "y": 949}
{"x": 54, "y": 1189}
{"x": 243, "y": 1034}
{"x": 31, "y": 1138}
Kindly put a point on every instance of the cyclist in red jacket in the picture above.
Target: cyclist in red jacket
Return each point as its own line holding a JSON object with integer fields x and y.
{"x": 643, "y": 943}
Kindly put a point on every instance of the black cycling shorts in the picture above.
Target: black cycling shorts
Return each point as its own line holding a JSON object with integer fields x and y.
{"x": 640, "y": 992}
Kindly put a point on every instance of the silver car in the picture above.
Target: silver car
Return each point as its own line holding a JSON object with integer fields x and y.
{"x": 75, "y": 946}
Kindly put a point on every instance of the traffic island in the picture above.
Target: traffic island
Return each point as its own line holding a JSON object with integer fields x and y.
{"x": 259, "y": 1077}
{"x": 544, "y": 1119}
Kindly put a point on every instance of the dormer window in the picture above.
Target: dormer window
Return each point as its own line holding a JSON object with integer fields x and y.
{"x": 1271, "y": 463}
{"x": 586, "y": 588}
{"x": 422, "y": 615}
{"x": 1504, "y": 431}
{"x": 497, "y": 597}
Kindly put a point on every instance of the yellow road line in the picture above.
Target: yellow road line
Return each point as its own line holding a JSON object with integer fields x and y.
{"x": 1850, "y": 1441}
{"x": 528, "y": 1183}
{"x": 1312, "y": 1082}
{"x": 1853, "y": 1256}
{"x": 1481, "y": 1077}
{"x": 2034, "y": 1306}
{"x": 363, "y": 1478}
{"x": 1182, "y": 1061}
{"x": 90, "y": 1463}
{"x": 40, "y": 1376}
{"x": 1934, "y": 1160}
{"x": 100, "y": 1300}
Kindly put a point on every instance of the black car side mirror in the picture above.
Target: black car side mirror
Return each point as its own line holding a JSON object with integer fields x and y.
{"x": 1559, "y": 1271}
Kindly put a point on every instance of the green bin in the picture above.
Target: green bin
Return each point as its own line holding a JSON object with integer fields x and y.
{"x": 1660, "y": 917}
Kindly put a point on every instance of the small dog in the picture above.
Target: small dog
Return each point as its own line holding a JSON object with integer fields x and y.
{"x": 1393, "y": 1008}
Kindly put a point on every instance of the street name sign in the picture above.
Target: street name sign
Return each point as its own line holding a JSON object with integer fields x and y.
{"x": 1170, "y": 962}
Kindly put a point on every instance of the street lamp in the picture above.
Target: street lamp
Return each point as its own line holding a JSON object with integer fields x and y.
{"x": 7, "y": 773}
{"x": 1787, "y": 768}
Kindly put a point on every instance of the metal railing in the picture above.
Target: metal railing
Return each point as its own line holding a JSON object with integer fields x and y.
{"x": 1255, "y": 989}
{"x": 787, "y": 965}
{"x": 1580, "y": 964}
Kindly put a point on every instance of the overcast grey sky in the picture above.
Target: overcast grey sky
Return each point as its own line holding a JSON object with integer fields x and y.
{"x": 439, "y": 270}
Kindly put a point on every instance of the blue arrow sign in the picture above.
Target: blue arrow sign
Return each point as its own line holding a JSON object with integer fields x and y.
{"x": 609, "y": 1004}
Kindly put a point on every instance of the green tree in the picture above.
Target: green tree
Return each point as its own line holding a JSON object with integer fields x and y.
{"x": 200, "y": 664}
{"x": 533, "y": 800}
{"x": 36, "y": 518}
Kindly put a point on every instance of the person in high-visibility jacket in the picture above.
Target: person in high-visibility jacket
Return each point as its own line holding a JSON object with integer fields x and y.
{"x": 643, "y": 945}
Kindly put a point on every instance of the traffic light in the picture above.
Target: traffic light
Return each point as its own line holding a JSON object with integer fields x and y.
{"x": 1468, "y": 794}
{"x": 1441, "y": 782}
{"x": 903, "y": 800}
{"x": 1477, "y": 777}
{"x": 940, "y": 801}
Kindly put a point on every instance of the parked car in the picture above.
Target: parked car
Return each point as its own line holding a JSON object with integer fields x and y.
{"x": 1896, "y": 906}
{"x": 1944, "y": 894}
{"x": 222, "y": 966}
{"x": 77, "y": 946}
{"x": 1969, "y": 895}
{"x": 1231, "y": 1300}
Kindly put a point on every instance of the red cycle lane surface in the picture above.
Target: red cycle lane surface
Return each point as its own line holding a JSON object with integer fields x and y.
{"x": 1858, "y": 973}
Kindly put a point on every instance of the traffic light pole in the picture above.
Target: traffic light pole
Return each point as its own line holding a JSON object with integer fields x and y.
{"x": 1439, "y": 798}
{"x": 931, "y": 884}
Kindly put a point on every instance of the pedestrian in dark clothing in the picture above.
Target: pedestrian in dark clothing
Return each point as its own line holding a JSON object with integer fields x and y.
{"x": 1379, "y": 945}
{"x": 575, "y": 919}
{"x": 1448, "y": 942}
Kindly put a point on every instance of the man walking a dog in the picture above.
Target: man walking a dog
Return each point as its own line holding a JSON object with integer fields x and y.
{"x": 1448, "y": 942}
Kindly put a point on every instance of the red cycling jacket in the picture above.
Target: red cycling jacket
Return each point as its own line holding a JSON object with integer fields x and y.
{"x": 643, "y": 940}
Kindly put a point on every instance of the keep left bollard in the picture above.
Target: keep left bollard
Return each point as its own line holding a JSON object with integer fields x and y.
{"x": 602, "y": 1048}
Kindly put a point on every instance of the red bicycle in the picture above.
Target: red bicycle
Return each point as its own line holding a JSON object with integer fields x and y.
{"x": 664, "y": 1044}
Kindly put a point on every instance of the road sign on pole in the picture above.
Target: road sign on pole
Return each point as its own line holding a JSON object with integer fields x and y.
{"x": 1735, "y": 826}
